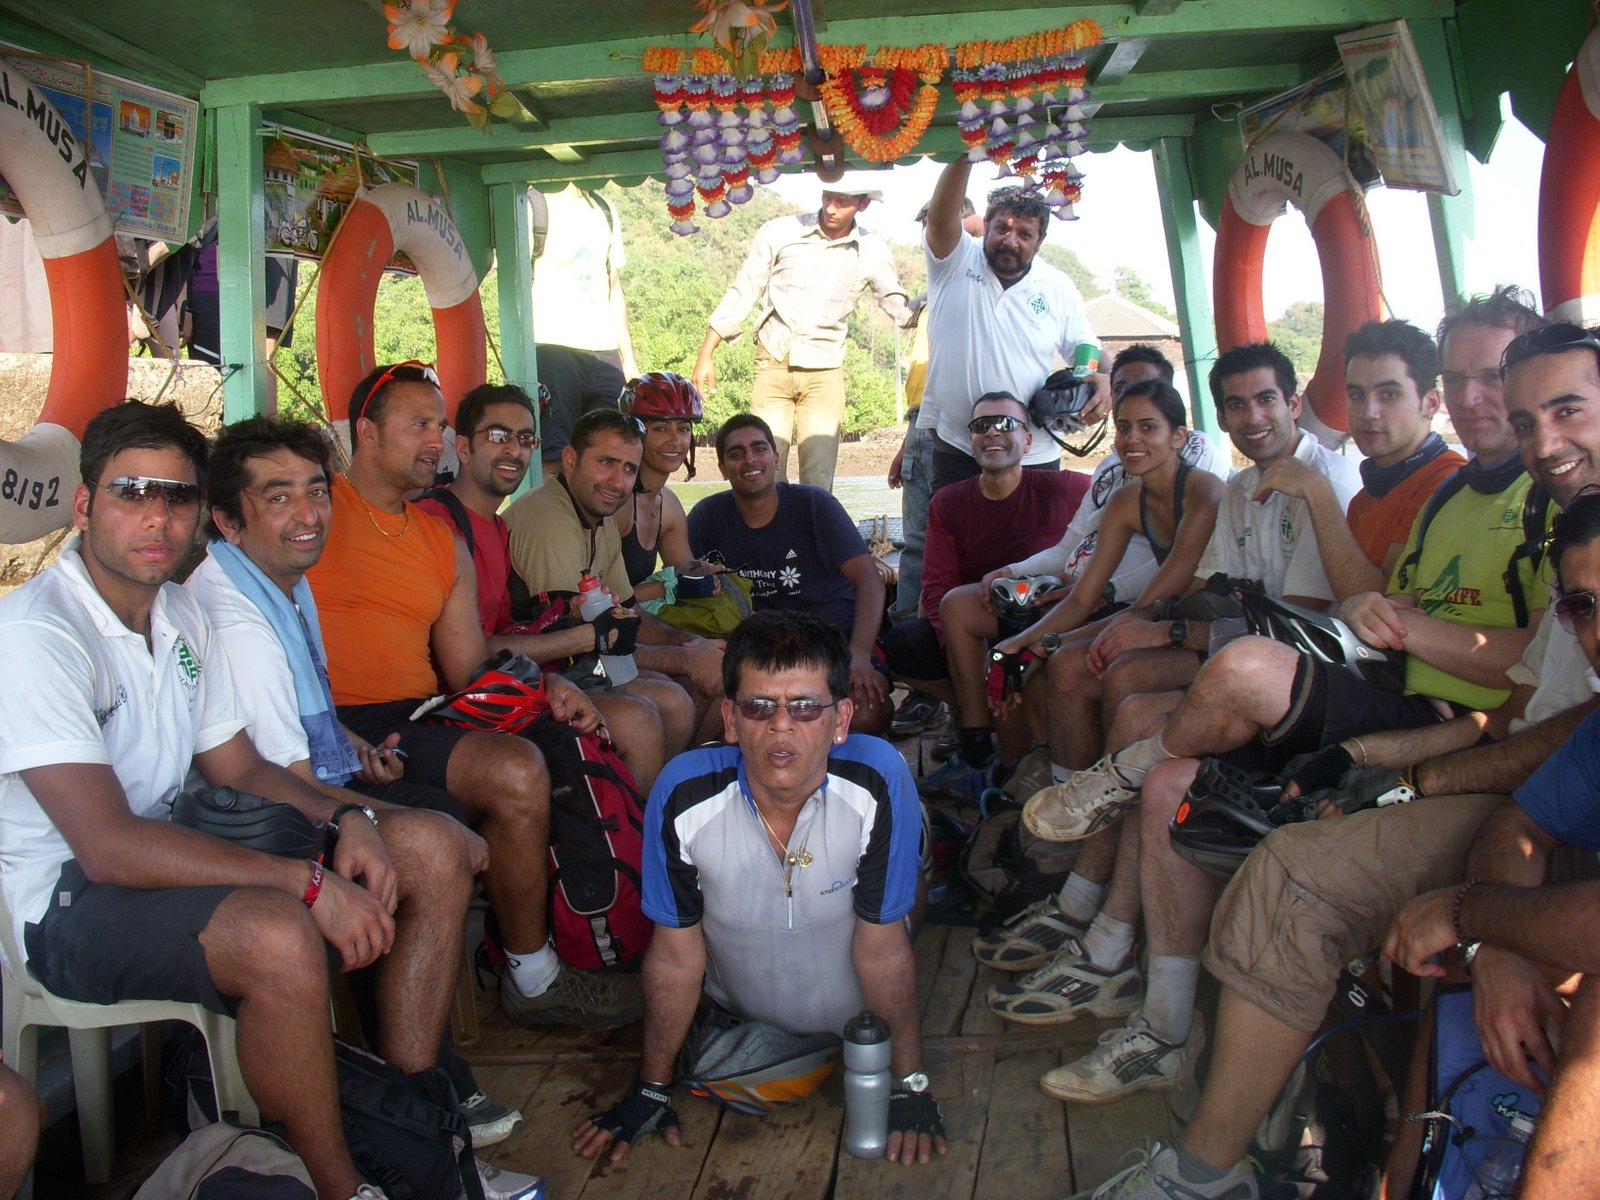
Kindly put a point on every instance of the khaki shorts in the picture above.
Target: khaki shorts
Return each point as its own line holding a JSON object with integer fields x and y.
{"x": 1313, "y": 897}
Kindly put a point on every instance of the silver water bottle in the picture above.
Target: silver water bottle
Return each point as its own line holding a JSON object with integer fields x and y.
{"x": 866, "y": 1086}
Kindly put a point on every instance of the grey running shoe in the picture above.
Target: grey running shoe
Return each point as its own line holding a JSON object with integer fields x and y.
{"x": 1030, "y": 939}
{"x": 1069, "y": 987}
{"x": 490, "y": 1122}
{"x": 917, "y": 712}
{"x": 1083, "y": 805}
{"x": 500, "y": 1184}
{"x": 1127, "y": 1060}
{"x": 1155, "y": 1177}
{"x": 584, "y": 999}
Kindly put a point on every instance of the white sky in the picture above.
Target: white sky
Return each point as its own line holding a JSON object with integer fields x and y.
{"x": 1120, "y": 225}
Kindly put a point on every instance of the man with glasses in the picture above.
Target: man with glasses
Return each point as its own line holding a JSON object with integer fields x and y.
{"x": 1316, "y": 895}
{"x": 976, "y": 526}
{"x": 779, "y": 870}
{"x": 119, "y": 688}
{"x": 800, "y": 551}
{"x": 496, "y": 437}
{"x": 397, "y": 596}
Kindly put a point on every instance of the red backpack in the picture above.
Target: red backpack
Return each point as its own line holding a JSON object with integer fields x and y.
{"x": 596, "y": 844}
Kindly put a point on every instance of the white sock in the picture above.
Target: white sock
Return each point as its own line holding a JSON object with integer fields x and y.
{"x": 1169, "y": 997}
{"x": 1060, "y": 774}
{"x": 532, "y": 974}
{"x": 1137, "y": 759}
{"x": 1079, "y": 898}
{"x": 1108, "y": 941}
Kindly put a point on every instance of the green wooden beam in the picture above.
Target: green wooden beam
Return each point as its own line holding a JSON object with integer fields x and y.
{"x": 1119, "y": 64}
{"x": 1158, "y": 8}
{"x": 508, "y": 210}
{"x": 241, "y": 253}
{"x": 563, "y": 152}
{"x": 616, "y": 59}
{"x": 117, "y": 55}
{"x": 939, "y": 142}
{"x": 1189, "y": 285}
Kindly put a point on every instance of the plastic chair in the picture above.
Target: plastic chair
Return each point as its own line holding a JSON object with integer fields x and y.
{"x": 28, "y": 1006}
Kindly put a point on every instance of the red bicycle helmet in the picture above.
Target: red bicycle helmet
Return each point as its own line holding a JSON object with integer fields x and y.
{"x": 506, "y": 696}
{"x": 663, "y": 395}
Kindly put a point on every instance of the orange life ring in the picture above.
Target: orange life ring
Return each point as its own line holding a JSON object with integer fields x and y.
{"x": 396, "y": 216}
{"x": 48, "y": 169}
{"x": 1569, "y": 195}
{"x": 1296, "y": 169}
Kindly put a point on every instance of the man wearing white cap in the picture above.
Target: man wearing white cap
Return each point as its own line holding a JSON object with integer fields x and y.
{"x": 802, "y": 277}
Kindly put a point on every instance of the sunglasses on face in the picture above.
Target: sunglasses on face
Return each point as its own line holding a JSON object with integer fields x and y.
{"x": 994, "y": 424}
{"x": 429, "y": 375}
{"x": 143, "y": 489}
{"x": 1547, "y": 339}
{"x": 501, "y": 436}
{"x": 800, "y": 711}
{"x": 1575, "y": 609}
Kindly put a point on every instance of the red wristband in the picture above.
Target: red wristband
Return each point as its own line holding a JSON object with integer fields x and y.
{"x": 314, "y": 888}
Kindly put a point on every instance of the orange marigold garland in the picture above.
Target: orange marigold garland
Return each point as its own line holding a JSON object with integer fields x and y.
{"x": 880, "y": 109}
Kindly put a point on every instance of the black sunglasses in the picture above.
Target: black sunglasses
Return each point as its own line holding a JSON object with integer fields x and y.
{"x": 763, "y": 709}
{"x": 1575, "y": 609}
{"x": 999, "y": 423}
{"x": 1547, "y": 339}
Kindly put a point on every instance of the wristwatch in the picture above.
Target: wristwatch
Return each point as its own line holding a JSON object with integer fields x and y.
{"x": 364, "y": 809}
{"x": 1178, "y": 633}
{"x": 917, "y": 1081}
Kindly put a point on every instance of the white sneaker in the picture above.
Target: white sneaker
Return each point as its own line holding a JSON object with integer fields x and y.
{"x": 1155, "y": 1177}
{"x": 1069, "y": 987}
{"x": 490, "y": 1122}
{"x": 368, "y": 1191}
{"x": 1083, "y": 805}
{"x": 1127, "y": 1060}
{"x": 500, "y": 1184}
{"x": 1030, "y": 939}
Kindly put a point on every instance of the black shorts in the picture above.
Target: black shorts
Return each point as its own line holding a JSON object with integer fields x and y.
{"x": 405, "y": 794}
{"x": 580, "y": 381}
{"x": 108, "y": 943}
{"x": 913, "y": 650}
{"x": 1328, "y": 704}
{"x": 427, "y": 745}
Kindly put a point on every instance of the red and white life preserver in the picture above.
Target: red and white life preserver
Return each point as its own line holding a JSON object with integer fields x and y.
{"x": 48, "y": 169}
{"x": 1569, "y": 196}
{"x": 1299, "y": 170}
{"x": 390, "y": 217}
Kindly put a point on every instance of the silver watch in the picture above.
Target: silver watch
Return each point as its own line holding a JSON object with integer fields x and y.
{"x": 917, "y": 1081}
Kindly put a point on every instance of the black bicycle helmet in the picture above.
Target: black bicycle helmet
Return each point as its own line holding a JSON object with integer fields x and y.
{"x": 250, "y": 820}
{"x": 1224, "y": 816}
{"x": 1019, "y": 599}
{"x": 1315, "y": 633}
{"x": 1057, "y": 408}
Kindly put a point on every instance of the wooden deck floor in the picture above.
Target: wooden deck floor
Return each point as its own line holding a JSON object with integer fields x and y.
{"x": 1008, "y": 1140}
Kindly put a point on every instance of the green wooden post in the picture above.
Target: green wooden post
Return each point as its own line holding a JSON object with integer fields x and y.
{"x": 1188, "y": 278}
{"x": 508, "y": 213}
{"x": 241, "y": 257}
{"x": 1452, "y": 216}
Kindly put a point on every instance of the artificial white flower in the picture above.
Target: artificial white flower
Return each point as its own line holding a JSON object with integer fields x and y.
{"x": 417, "y": 26}
{"x": 460, "y": 88}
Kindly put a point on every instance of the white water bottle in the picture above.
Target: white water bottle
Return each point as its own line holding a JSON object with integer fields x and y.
{"x": 866, "y": 1086}
{"x": 1498, "y": 1172}
{"x": 593, "y": 599}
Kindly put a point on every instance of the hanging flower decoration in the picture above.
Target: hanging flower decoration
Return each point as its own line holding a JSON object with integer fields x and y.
{"x": 882, "y": 109}
{"x": 1006, "y": 87}
{"x": 460, "y": 65}
{"x": 741, "y": 27}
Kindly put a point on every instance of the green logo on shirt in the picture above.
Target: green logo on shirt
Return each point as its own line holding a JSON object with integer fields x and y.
{"x": 188, "y": 664}
{"x": 1039, "y": 305}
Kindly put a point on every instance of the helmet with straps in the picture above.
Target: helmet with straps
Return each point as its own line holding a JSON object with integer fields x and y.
{"x": 1225, "y": 815}
{"x": 506, "y": 695}
{"x": 1057, "y": 408}
{"x": 663, "y": 395}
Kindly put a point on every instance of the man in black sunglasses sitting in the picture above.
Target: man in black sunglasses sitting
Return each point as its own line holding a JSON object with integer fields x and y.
{"x": 779, "y": 870}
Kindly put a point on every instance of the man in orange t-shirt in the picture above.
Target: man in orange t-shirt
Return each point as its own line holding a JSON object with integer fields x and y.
{"x": 397, "y": 596}
{"x": 1392, "y": 386}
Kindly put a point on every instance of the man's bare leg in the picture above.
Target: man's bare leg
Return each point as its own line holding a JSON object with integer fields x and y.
{"x": 20, "y": 1122}
{"x": 263, "y": 948}
{"x": 674, "y": 705}
{"x": 1564, "y": 1160}
{"x": 967, "y": 628}
{"x": 636, "y": 726}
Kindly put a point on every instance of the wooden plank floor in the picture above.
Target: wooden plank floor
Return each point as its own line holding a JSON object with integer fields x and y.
{"x": 1008, "y": 1140}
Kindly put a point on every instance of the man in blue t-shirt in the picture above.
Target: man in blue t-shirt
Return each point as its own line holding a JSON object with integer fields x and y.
{"x": 800, "y": 551}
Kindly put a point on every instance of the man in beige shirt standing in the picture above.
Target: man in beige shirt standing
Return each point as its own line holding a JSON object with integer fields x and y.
{"x": 802, "y": 277}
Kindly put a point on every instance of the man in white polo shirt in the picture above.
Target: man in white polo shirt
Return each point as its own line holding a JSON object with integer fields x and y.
{"x": 997, "y": 317}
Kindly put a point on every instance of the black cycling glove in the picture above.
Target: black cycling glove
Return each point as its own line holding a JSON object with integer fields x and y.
{"x": 616, "y": 631}
{"x": 915, "y": 1112}
{"x": 646, "y": 1108}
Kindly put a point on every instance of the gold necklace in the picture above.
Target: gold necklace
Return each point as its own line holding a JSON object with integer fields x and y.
{"x": 788, "y": 859}
{"x": 405, "y": 512}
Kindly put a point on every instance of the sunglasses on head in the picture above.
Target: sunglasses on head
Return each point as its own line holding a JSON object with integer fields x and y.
{"x": 1547, "y": 339}
{"x": 429, "y": 375}
{"x": 1575, "y": 609}
{"x": 501, "y": 436}
{"x": 999, "y": 423}
{"x": 144, "y": 489}
{"x": 802, "y": 711}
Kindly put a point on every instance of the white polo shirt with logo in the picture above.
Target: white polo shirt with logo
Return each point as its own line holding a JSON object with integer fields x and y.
{"x": 84, "y": 688}
{"x": 985, "y": 337}
{"x": 1272, "y": 540}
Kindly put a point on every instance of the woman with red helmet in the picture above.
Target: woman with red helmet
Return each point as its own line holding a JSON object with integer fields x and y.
{"x": 667, "y": 407}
